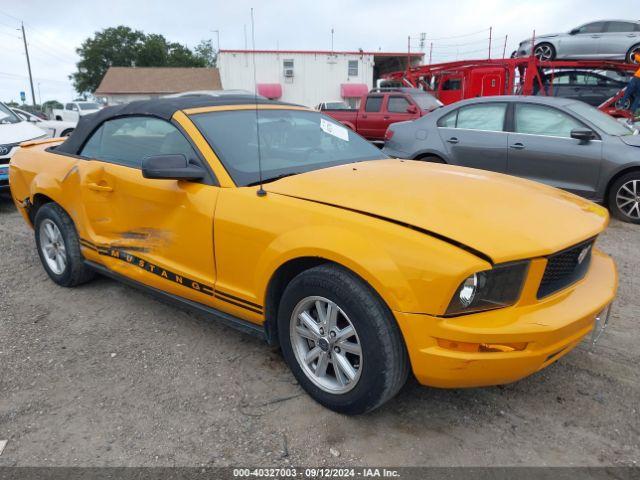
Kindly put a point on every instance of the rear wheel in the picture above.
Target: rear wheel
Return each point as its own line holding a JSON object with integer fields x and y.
{"x": 341, "y": 341}
{"x": 631, "y": 53}
{"x": 624, "y": 198}
{"x": 67, "y": 132}
{"x": 545, "y": 52}
{"x": 59, "y": 248}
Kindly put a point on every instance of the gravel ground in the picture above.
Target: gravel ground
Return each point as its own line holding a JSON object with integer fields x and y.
{"x": 106, "y": 375}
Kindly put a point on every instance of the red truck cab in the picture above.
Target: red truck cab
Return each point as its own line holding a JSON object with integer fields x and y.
{"x": 383, "y": 106}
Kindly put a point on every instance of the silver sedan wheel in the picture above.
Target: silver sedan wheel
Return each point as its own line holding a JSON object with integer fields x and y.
{"x": 632, "y": 55}
{"x": 52, "y": 246}
{"x": 326, "y": 344}
{"x": 628, "y": 199}
{"x": 543, "y": 52}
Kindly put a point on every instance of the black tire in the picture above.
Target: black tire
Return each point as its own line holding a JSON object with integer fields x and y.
{"x": 623, "y": 213}
{"x": 545, "y": 45}
{"x": 629, "y": 56}
{"x": 75, "y": 271}
{"x": 385, "y": 363}
{"x": 59, "y": 118}
{"x": 67, "y": 132}
{"x": 431, "y": 158}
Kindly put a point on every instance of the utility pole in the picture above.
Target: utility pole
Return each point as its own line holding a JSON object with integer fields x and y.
{"x": 26, "y": 51}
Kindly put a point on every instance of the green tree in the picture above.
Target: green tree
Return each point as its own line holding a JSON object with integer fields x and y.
{"x": 206, "y": 52}
{"x": 123, "y": 47}
{"x": 51, "y": 104}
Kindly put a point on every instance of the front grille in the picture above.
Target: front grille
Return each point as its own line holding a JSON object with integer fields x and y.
{"x": 564, "y": 268}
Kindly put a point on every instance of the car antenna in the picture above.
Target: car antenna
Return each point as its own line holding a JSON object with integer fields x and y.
{"x": 261, "y": 191}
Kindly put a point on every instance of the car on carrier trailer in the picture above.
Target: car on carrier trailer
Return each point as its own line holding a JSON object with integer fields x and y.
{"x": 280, "y": 221}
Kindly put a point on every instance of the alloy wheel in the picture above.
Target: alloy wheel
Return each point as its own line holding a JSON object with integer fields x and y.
{"x": 628, "y": 199}
{"x": 544, "y": 52}
{"x": 326, "y": 344}
{"x": 52, "y": 246}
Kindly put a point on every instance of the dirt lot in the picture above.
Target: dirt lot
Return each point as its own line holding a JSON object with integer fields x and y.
{"x": 106, "y": 375}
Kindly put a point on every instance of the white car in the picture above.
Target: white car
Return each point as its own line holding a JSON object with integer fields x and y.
{"x": 13, "y": 131}
{"x": 72, "y": 111}
{"x": 56, "y": 128}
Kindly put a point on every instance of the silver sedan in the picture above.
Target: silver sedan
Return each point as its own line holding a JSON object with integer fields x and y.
{"x": 604, "y": 39}
{"x": 561, "y": 142}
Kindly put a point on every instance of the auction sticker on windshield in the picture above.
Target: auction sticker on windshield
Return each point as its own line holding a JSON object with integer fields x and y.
{"x": 332, "y": 129}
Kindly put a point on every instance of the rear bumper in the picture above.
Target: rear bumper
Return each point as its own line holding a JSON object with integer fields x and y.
{"x": 550, "y": 329}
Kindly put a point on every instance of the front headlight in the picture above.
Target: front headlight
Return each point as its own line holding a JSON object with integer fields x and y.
{"x": 489, "y": 289}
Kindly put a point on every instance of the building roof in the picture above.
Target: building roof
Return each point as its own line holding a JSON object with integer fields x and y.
{"x": 329, "y": 52}
{"x": 163, "y": 108}
{"x": 158, "y": 80}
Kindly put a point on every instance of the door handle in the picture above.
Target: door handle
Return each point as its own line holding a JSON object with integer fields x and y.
{"x": 517, "y": 146}
{"x": 453, "y": 140}
{"x": 99, "y": 188}
{"x": 386, "y": 117}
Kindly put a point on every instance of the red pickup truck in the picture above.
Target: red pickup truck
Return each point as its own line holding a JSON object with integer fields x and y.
{"x": 384, "y": 106}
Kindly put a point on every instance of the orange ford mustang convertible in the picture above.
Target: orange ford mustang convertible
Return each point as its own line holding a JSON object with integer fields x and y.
{"x": 282, "y": 222}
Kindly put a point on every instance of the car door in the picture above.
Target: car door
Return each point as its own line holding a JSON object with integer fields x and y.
{"x": 617, "y": 38}
{"x": 474, "y": 136}
{"x": 157, "y": 232}
{"x": 399, "y": 109}
{"x": 371, "y": 117}
{"x": 582, "y": 42}
{"x": 541, "y": 149}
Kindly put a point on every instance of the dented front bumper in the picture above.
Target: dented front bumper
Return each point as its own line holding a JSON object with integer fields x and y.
{"x": 505, "y": 345}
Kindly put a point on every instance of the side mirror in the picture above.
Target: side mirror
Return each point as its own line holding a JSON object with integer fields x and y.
{"x": 412, "y": 109}
{"x": 574, "y": 31}
{"x": 583, "y": 134}
{"x": 171, "y": 167}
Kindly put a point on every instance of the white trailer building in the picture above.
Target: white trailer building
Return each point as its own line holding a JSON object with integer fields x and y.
{"x": 309, "y": 77}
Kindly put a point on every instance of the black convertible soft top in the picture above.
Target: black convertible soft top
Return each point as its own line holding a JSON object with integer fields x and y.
{"x": 162, "y": 108}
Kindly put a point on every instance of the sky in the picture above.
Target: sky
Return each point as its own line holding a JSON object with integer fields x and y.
{"x": 457, "y": 28}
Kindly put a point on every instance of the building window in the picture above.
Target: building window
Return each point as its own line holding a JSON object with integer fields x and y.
{"x": 287, "y": 66}
{"x": 353, "y": 68}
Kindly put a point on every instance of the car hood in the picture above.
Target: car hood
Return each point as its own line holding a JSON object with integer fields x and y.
{"x": 19, "y": 132}
{"x": 633, "y": 140}
{"x": 542, "y": 37}
{"x": 502, "y": 217}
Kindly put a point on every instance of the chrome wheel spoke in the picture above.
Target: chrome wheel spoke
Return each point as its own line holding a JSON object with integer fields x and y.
{"x": 52, "y": 247}
{"x": 350, "y": 347}
{"x": 345, "y": 333}
{"x": 323, "y": 363}
{"x": 310, "y": 324}
{"x": 312, "y": 354}
{"x": 344, "y": 366}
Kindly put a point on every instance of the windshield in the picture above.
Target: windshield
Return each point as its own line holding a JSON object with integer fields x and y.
{"x": 604, "y": 122}
{"x": 427, "y": 102}
{"x": 291, "y": 142}
{"x": 7, "y": 116}
{"x": 88, "y": 106}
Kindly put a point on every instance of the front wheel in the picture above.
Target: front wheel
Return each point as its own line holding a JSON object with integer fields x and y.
{"x": 545, "y": 52}
{"x": 624, "y": 198}
{"x": 59, "y": 248}
{"x": 341, "y": 341}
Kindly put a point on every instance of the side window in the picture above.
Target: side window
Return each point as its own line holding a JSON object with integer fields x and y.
{"x": 374, "y": 104}
{"x": 484, "y": 116}
{"x": 617, "y": 27}
{"x": 542, "y": 120}
{"x": 127, "y": 141}
{"x": 398, "y": 105}
{"x": 449, "y": 120}
{"x": 595, "y": 27}
{"x": 69, "y": 106}
{"x": 452, "y": 84}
